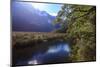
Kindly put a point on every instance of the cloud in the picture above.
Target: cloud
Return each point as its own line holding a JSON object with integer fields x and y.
{"x": 53, "y": 14}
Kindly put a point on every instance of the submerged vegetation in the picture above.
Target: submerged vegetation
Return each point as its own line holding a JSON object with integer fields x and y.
{"x": 79, "y": 23}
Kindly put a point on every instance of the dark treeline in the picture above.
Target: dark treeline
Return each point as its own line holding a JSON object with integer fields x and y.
{"x": 79, "y": 23}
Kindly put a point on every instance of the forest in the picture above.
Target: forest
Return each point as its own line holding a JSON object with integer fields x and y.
{"x": 79, "y": 23}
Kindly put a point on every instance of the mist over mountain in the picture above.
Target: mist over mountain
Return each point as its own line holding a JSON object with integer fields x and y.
{"x": 27, "y": 18}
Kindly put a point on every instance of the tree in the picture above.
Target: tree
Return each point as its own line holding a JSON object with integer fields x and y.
{"x": 79, "y": 23}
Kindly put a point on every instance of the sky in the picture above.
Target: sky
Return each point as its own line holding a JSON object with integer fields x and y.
{"x": 52, "y": 9}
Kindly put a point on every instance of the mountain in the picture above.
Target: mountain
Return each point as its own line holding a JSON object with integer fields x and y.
{"x": 27, "y": 18}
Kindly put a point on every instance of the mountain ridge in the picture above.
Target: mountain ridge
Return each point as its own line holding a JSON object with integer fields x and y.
{"x": 27, "y": 18}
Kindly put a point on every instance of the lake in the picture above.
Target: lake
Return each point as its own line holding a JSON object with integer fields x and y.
{"x": 56, "y": 52}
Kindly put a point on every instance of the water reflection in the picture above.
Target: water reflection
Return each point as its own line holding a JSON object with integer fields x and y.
{"x": 58, "y": 48}
{"x": 33, "y": 62}
{"x": 54, "y": 54}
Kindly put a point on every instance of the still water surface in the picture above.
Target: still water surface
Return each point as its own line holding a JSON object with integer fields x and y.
{"x": 56, "y": 53}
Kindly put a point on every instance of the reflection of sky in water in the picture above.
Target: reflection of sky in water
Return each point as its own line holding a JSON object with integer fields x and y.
{"x": 52, "y": 52}
{"x": 55, "y": 52}
{"x": 59, "y": 48}
{"x": 33, "y": 62}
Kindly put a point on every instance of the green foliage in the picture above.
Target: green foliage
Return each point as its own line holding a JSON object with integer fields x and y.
{"x": 80, "y": 29}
